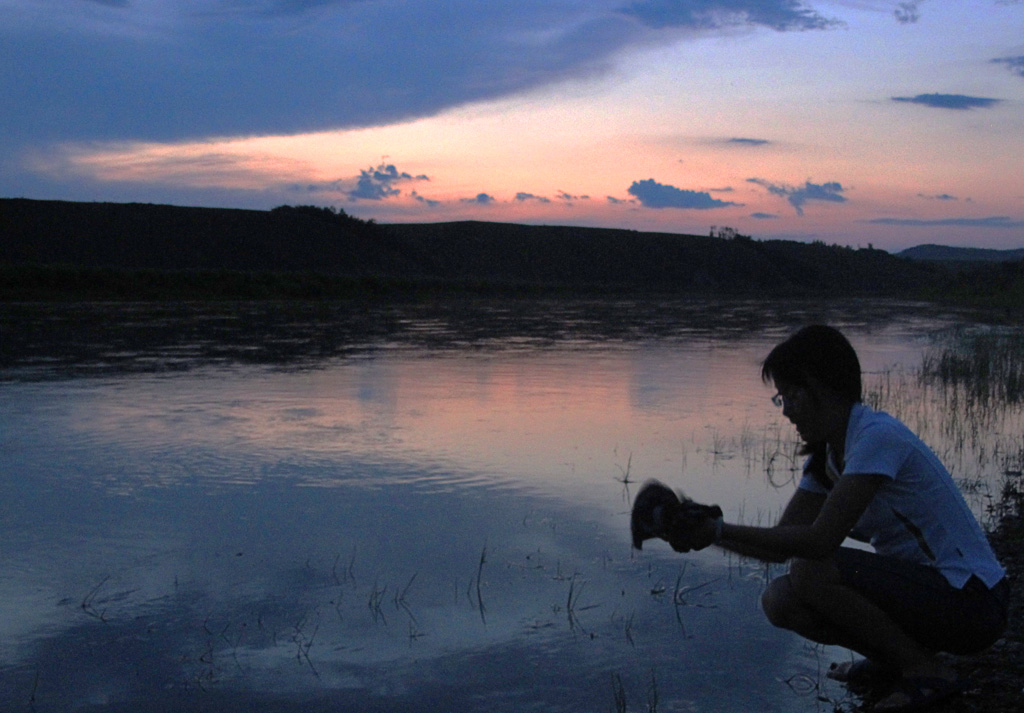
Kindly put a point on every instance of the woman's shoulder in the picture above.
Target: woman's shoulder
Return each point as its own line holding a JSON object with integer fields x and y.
{"x": 875, "y": 437}
{"x": 863, "y": 419}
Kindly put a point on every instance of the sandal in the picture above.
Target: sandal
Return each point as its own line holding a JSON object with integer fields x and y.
{"x": 919, "y": 693}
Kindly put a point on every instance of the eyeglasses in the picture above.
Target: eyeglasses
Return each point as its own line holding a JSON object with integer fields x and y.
{"x": 780, "y": 399}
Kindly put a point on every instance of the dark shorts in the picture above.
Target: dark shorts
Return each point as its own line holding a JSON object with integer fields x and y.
{"x": 930, "y": 610}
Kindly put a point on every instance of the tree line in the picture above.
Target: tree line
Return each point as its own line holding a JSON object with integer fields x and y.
{"x": 62, "y": 247}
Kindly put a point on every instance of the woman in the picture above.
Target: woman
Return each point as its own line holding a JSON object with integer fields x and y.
{"x": 932, "y": 583}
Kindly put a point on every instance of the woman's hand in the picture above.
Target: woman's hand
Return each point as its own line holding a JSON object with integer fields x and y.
{"x": 704, "y": 533}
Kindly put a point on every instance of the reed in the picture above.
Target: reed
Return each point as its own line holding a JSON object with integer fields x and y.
{"x": 624, "y": 479}
{"x": 88, "y": 605}
{"x": 479, "y": 578}
{"x": 966, "y": 401}
{"x": 618, "y": 693}
{"x": 652, "y": 694}
{"x": 374, "y": 603}
{"x": 571, "y": 601}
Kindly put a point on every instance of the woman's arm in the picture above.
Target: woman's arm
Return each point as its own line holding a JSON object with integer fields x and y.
{"x": 811, "y": 527}
{"x": 801, "y": 509}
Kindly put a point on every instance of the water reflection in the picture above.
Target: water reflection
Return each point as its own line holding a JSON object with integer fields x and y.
{"x": 56, "y": 341}
{"x": 420, "y": 507}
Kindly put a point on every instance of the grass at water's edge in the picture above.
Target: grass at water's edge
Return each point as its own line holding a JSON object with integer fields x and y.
{"x": 997, "y": 288}
{"x": 997, "y": 674}
{"x": 998, "y": 297}
{"x": 980, "y": 373}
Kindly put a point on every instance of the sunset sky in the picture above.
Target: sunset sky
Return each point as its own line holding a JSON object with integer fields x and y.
{"x": 846, "y": 121}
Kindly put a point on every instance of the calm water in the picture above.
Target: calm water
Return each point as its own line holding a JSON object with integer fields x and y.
{"x": 396, "y": 508}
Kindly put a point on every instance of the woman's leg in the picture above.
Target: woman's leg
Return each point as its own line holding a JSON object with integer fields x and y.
{"x": 813, "y": 602}
{"x": 892, "y": 612}
{"x": 857, "y": 622}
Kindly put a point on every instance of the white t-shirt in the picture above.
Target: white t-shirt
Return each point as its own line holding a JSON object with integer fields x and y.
{"x": 919, "y": 515}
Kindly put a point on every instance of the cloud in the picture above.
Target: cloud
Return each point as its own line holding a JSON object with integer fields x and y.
{"x": 1014, "y": 64}
{"x": 779, "y": 15}
{"x": 997, "y": 221}
{"x": 907, "y": 13}
{"x": 429, "y": 202}
{"x": 373, "y": 184}
{"x": 171, "y": 70}
{"x": 949, "y": 101}
{"x": 378, "y": 183}
{"x": 652, "y": 194}
{"x": 479, "y": 199}
{"x": 831, "y": 192}
{"x": 522, "y": 197}
{"x": 296, "y": 7}
{"x": 749, "y": 142}
{"x": 764, "y": 216}
{"x": 939, "y": 197}
{"x": 570, "y": 198}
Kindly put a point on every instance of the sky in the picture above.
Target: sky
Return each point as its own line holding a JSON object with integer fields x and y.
{"x": 852, "y": 122}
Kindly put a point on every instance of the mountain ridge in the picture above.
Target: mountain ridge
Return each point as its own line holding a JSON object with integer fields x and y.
{"x": 948, "y": 253}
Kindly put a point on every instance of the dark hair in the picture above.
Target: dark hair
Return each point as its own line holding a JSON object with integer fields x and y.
{"x": 824, "y": 354}
{"x": 819, "y": 352}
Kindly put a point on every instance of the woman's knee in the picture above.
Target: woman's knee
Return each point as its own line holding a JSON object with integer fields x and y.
{"x": 808, "y": 578}
{"x": 790, "y": 599}
{"x": 785, "y": 608}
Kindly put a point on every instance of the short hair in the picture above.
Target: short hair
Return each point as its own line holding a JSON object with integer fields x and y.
{"x": 820, "y": 352}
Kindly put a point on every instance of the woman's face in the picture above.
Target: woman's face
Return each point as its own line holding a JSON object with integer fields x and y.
{"x": 803, "y": 409}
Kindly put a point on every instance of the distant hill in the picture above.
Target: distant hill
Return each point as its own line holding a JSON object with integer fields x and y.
{"x": 630, "y": 260}
{"x": 115, "y": 241}
{"x": 162, "y": 237}
{"x": 945, "y": 253}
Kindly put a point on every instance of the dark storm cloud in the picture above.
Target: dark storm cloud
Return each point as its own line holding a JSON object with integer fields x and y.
{"x": 181, "y": 69}
{"x": 949, "y": 101}
{"x": 996, "y": 221}
{"x": 830, "y": 192}
{"x": 652, "y": 194}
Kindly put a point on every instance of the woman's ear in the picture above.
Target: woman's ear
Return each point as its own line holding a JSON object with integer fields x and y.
{"x": 815, "y": 386}
{"x": 824, "y": 394}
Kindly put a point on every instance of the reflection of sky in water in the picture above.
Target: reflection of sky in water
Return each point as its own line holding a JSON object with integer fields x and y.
{"x": 252, "y": 536}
